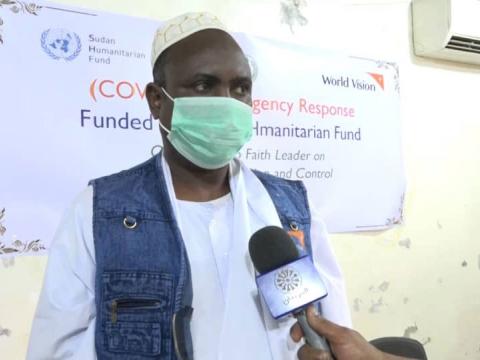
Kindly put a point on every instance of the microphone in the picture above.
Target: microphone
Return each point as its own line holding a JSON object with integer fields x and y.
{"x": 287, "y": 282}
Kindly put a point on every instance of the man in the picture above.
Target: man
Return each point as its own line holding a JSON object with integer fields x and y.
{"x": 141, "y": 248}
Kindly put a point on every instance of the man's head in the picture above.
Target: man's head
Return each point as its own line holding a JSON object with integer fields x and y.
{"x": 203, "y": 60}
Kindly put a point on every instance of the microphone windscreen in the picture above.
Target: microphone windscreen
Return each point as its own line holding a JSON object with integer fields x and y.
{"x": 271, "y": 247}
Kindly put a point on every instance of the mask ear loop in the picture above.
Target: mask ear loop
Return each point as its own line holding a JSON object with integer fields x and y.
{"x": 163, "y": 127}
{"x": 160, "y": 121}
{"x": 168, "y": 95}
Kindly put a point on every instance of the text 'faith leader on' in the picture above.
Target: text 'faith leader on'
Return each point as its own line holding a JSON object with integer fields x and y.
{"x": 139, "y": 249}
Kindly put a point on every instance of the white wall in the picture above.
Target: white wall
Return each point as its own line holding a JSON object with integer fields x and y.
{"x": 428, "y": 290}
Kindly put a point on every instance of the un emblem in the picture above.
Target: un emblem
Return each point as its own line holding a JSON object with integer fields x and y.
{"x": 61, "y": 44}
{"x": 287, "y": 280}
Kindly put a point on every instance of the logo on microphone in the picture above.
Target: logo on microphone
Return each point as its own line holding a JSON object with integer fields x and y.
{"x": 287, "y": 280}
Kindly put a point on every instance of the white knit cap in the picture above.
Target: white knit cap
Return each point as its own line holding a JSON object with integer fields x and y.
{"x": 178, "y": 28}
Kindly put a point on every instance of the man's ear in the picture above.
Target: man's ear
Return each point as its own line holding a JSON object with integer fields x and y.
{"x": 154, "y": 98}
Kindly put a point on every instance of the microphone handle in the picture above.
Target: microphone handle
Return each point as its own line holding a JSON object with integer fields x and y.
{"x": 311, "y": 337}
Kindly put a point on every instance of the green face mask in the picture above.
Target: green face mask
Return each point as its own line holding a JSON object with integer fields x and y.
{"x": 209, "y": 131}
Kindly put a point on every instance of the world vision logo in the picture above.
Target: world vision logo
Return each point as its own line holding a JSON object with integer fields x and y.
{"x": 356, "y": 83}
{"x": 379, "y": 79}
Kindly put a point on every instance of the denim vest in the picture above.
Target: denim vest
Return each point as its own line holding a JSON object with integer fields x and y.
{"x": 143, "y": 289}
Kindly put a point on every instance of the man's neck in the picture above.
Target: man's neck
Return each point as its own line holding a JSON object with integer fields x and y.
{"x": 193, "y": 183}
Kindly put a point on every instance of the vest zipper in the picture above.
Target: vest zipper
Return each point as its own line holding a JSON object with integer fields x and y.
{"x": 114, "y": 311}
{"x": 131, "y": 304}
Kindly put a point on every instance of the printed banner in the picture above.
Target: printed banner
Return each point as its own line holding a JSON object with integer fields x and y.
{"x": 73, "y": 108}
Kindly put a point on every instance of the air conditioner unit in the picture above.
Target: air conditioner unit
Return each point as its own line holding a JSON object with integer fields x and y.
{"x": 447, "y": 29}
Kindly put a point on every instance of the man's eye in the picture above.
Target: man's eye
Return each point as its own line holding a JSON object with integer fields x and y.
{"x": 242, "y": 89}
{"x": 201, "y": 87}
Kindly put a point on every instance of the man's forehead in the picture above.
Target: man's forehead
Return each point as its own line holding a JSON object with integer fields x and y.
{"x": 175, "y": 30}
{"x": 189, "y": 70}
{"x": 207, "y": 52}
{"x": 205, "y": 44}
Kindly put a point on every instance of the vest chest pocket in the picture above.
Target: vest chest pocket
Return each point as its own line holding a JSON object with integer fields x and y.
{"x": 137, "y": 308}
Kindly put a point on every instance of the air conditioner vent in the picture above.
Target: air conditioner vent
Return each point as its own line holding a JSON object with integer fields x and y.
{"x": 464, "y": 44}
{"x": 447, "y": 30}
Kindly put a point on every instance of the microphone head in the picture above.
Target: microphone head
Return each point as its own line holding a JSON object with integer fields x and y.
{"x": 271, "y": 247}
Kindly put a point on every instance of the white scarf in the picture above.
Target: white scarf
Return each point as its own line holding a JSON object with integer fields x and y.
{"x": 251, "y": 322}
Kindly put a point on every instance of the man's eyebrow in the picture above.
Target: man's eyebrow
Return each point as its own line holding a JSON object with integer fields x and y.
{"x": 247, "y": 79}
{"x": 205, "y": 76}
